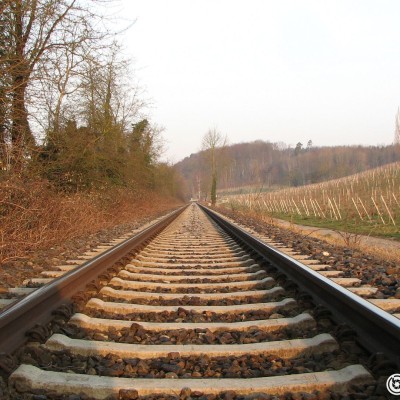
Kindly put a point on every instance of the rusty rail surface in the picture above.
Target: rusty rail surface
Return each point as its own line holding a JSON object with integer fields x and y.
{"x": 38, "y": 306}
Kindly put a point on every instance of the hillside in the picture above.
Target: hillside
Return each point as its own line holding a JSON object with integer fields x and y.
{"x": 367, "y": 202}
{"x": 268, "y": 165}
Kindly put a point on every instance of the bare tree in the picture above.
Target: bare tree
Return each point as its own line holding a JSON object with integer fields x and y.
{"x": 34, "y": 30}
{"x": 62, "y": 80}
{"x": 108, "y": 93}
{"x": 397, "y": 128}
{"x": 212, "y": 142}
{"x": 5, "y": 98}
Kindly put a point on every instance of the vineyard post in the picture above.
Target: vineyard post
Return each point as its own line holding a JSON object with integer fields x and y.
{"x": 283, "y": 206}
{"x": 387, "y": 209}
{"x": 377, "y": 209}
{"x": 323, "y": 214}
{"x": 337, "y": 208}
{"x": 355, "y": 205}
{"x": 396, "y": 199}
{"x": 297, "y": 208}
{"x": 305, "y": 202}
{"x": 314, "y": 208}
{"x": 366, "y": 212}
{"x": 332, "y": 208}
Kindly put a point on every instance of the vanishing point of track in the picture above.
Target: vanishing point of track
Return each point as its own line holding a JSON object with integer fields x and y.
{"x": 195, "y": 308}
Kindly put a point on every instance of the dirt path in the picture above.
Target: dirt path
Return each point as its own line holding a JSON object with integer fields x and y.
{"x": 329, "y": 235}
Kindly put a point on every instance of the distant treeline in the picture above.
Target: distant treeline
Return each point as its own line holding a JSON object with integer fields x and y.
{"x": 270, "y": 164}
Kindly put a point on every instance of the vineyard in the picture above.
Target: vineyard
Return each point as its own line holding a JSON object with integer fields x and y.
{"x": 367, "y": 203}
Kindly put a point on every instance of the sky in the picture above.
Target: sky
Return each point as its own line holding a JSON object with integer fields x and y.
{"x": 276, "y": 70}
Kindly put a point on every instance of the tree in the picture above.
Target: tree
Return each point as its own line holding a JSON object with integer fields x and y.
{"x": 397, "y": 128}
{"x": 33, "y": 31}
{"x": 93, "y": 140}
{"x": 5, "y": 98}
{"x": 298, "y": 148}
{"x": 212, "y": 142}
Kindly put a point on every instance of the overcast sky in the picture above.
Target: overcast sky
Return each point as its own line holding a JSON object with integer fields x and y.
{"x": 276, "y": 70}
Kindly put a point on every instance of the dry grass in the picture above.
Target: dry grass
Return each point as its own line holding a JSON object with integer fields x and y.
{"x": 379, "y": 252}
{"x": 354, "y": 241}
{"x": 33, "y": 216}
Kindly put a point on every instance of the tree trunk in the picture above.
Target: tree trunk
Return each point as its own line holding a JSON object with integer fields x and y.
{"x": 22, "y": 139}
{"x": 3, "y": 132}
{"x": 214, "y": 189}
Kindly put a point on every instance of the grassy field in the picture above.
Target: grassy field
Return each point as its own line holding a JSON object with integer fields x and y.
{"x": 243, "y": 190}
{"x": 363, "y": 228}
{"x": 366, "y": 203}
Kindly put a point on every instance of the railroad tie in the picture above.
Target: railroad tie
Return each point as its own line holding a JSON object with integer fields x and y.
{"x": 193, "y": 311}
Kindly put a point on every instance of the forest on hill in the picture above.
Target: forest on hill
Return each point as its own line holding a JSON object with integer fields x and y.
{"x": 268, "y": 165}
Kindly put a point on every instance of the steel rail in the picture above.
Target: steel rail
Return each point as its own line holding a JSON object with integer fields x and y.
{"x": 38, "y": 306}
{"x": 377, "y": 330}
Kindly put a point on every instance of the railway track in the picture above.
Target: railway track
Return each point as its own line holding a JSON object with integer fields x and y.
{"x": 10, "y": 295}
{"x": 202, "y": 310}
